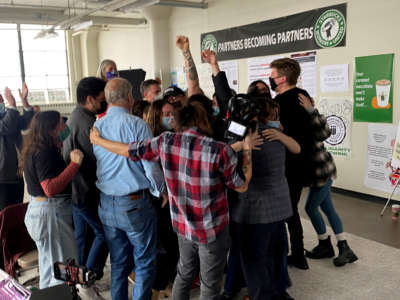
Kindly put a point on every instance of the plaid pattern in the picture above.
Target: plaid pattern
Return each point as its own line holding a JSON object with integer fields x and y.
{"x": 197, "y": 170}
{"x": 324, "y": 167}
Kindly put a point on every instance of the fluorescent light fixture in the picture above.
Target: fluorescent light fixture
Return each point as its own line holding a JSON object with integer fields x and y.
{"x": 82, "y": 25}
{"x": 46, "y": 33}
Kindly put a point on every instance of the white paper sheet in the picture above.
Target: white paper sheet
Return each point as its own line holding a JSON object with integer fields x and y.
{"x": 339, "y": 114}
{"x": 258, "y": 68}
{"x": 379, "y": 175}
{"x": 230, "y": 67}
{"x": 308, "y": 76}
{"x": 334, "y": 78}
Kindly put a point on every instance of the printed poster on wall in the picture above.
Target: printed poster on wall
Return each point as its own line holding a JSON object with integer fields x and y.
{"x": 334, "y": 78}
{"x": 373, "y": 89}
{"x": 308, "y": 76}
{"x": 339, "y": 113}
{"x": 379, "y": 174}
{"x": 396, "y": 150}
{"x": 258, "y": 68}
{"x": 310, "y": 30}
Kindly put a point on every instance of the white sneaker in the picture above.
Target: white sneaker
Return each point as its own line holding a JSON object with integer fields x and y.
{"x": 89, "y": 293}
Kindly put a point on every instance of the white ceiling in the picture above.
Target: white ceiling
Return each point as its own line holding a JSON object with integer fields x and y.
{"x": 52, "y": 12}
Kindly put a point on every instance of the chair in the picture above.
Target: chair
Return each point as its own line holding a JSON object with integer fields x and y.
{"x": 18, "y": 250}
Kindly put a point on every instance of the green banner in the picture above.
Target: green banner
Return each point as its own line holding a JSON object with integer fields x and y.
{"x": 373, "y": 89}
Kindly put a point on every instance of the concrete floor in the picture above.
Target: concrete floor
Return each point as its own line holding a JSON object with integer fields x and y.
{"x": 375, "y": 240}
{"x": 362, "y": 218}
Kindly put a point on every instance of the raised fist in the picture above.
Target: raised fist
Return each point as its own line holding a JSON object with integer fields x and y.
{"x": 76, "y": 156}
{"x": 182, "y": 42}
{"x": 209, "y": 57}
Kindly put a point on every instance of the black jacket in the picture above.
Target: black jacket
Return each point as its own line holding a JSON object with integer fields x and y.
{"x": 222, "y": 91}
{"x": 11, "y": 124}
{"x": 84, "y": 190}
{"x": 296, "y": 122}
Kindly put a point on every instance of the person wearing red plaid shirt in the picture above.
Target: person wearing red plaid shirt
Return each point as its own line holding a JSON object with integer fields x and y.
{"x": 197, "y": 170}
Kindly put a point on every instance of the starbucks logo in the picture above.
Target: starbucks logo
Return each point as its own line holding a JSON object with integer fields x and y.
{"x": 338, "y": 130}
{"x": 330, "y": 28}
{"x": 209, "y": 43}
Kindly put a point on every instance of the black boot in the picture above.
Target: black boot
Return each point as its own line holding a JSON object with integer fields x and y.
{"x": 346, "y": 255}
{"x": 298, "y": 260}
{"x": 323, "y": 250}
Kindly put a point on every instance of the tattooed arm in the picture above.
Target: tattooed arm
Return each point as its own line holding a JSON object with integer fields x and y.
{"x": 247, "y": 166}
{"x": 182, "y": 42}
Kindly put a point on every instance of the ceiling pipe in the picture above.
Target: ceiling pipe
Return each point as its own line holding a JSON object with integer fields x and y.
{"x": 112, "y": 4}
{"x": 202, "y": 5}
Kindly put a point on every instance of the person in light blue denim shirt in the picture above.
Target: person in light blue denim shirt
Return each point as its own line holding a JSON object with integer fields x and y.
{"x": 125, "y": 209}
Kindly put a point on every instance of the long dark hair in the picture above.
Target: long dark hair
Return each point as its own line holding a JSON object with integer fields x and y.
{"x": 269, "y": 109}
{"x": 154, "y": 117}
{"x": 39, "y": 137}
{"x": 193, "y": 115}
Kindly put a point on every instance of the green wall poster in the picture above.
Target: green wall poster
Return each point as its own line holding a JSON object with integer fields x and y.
{"x": 373, "y": 89}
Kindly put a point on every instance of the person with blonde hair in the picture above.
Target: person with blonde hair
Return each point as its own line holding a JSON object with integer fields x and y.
{"x": 107, "y": 70}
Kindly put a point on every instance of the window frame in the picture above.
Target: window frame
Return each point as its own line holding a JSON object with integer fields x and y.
{"x": 22, "y": 65}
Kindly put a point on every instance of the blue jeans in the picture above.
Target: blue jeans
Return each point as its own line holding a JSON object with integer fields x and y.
{"x": 130, "y": 228}
{"x": 49, "y": 223}
{"x": 321, "y": 197}
{"x": 85, "y": 216}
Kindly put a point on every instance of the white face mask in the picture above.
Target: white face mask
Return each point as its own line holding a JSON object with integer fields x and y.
{"x": 167, "y": 122}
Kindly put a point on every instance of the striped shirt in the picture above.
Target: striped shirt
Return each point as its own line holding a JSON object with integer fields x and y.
{"x": 197, "y": 171}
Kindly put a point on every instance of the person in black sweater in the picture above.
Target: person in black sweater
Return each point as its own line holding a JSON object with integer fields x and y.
{"x": 11, "y": 124}
{"x": 89, "y": 233}
{"x": 296, "y": 123}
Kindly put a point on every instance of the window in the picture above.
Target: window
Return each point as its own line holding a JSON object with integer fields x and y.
{"x": 44, "y": 64}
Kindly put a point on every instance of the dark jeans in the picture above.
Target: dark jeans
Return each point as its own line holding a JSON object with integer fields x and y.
{"x": 11, "y": 193}
{"x": 294, "y": 222}
{"x": 234, "y": 280}
{"x": 86, "y": 218}
{"x": 168, "y": 249}
{"x": 263, "y": 248}
{"x": 210, "y": 257}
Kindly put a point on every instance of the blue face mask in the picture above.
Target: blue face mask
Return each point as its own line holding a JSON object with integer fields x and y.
{"x": 216, "y": 111}
{"x": 274, "y": 124}
{"x": 111, "y": 75}
{"x": 2, "y": 108}
{"x": 167, "y": 122}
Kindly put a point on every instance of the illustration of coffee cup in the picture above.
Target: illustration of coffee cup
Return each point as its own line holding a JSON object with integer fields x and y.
{"x": 382, "y": 92}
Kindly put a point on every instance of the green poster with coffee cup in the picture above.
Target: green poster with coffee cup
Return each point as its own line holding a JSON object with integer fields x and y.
{"x": 373, "y": 89}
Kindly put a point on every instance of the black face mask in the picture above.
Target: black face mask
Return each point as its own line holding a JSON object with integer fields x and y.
{"x": 273, "y": 83}
{"x": 103, "y": 107}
